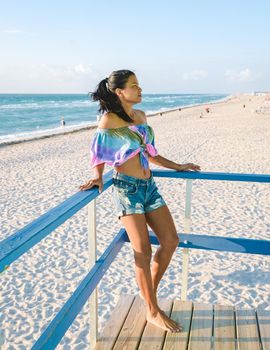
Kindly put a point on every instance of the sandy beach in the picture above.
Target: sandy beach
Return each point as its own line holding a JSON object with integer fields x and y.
{"x": 38, "y": 175}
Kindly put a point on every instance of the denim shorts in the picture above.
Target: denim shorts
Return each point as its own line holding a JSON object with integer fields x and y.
{"x": 135, "y": 196}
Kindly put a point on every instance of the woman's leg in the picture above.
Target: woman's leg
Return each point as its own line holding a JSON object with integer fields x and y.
{"x": 161, "y": 222}
{"x": 136, "y": 228}
{"x": 137, "y": 231}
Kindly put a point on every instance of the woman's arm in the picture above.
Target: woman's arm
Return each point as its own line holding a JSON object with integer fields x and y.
{"x": 98, "y": 171}
{"x": 96, "y": 181}
{"x": 166, "y": 163}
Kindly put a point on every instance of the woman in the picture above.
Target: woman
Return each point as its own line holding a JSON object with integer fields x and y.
{"x": 124, "y": 140}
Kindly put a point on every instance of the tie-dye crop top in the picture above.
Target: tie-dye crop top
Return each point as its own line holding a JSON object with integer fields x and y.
{"x": 116, "y": 146}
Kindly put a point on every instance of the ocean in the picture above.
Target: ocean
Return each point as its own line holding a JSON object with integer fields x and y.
{"x": 30, "y": 115}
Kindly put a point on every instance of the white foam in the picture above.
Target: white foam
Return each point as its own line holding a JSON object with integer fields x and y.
{"x": 34, "y": 135}
{"x": 38, "y": 134}
{"x": 164, "y": 109}
{"x": 48, "y": 104}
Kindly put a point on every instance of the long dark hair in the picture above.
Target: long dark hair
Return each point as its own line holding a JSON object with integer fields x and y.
{"x": 106, "y": 96}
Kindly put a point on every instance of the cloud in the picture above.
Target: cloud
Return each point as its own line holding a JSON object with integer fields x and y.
{"x": 82, "y": 69}
{"x": 66, "y": 71}
{"x": 11, "y": 31}
{"x": 195, "y": 75}
{"x": 241, "y": 76}
{"x": 48, "y": 77}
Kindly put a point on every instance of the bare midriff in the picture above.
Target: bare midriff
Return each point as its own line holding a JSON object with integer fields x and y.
{"x": 133, "y": 167}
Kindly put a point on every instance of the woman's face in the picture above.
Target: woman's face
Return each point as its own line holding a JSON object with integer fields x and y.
{"x": 132, "y": 92}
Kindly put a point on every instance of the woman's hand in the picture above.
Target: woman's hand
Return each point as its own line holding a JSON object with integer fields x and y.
{"x": 93, "y": 182}
{"x": 188, "y": 166}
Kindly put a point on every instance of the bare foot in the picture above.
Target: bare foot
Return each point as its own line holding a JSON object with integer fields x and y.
{"x": 160, "y": 320}
{"x": 140, "y": 295}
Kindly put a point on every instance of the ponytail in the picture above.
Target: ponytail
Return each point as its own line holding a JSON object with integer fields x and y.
{"x": 107, "y": 98}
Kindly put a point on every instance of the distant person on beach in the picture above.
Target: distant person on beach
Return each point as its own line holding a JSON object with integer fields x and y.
{"x": 63, "y": 123}
{"x": 125, "y": 141}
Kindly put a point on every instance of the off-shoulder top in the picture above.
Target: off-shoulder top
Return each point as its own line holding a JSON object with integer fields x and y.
{"x": 116, "y": 146}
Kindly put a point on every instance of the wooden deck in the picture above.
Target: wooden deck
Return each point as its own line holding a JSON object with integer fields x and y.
{"x": 205, "y": 327}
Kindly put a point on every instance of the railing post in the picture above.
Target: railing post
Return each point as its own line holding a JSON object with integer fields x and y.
{"x": 92, "y": 250}
{"x": 186, "y": 230}
{"x": 2, "y": 331}
{"x": 2, "y": 338}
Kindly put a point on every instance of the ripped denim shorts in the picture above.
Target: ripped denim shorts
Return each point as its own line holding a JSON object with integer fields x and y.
{"x": 135, "y": 196}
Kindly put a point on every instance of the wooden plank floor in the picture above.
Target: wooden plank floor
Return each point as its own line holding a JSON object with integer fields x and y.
{"x": 205, "y": 327}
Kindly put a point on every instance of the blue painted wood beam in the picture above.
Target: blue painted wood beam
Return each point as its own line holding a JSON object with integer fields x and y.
{"x": 211, "y": 176}
{"x": 56, "y": 329}
{"x": 59, "y": 325}
{"x": 219, "y": 243}
{"x": 21, "y": 241}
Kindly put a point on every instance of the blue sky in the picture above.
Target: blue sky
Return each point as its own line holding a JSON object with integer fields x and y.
{"x": 172, "y": 46}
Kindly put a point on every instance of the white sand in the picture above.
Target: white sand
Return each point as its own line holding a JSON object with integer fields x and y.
{"x": 38, "y": 175}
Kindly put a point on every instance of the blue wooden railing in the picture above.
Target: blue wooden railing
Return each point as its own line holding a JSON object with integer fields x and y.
{"x": 21, "y": 241}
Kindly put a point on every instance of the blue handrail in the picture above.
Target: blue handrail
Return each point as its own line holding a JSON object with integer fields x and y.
{"x": 21, "y": 241}
{"x": 62, "y": 321}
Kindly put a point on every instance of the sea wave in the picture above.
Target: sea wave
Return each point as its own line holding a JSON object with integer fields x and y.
{"x": 33, "y": 116}
{"x": 48, "y": 104}
{"x": 32, "y": 135}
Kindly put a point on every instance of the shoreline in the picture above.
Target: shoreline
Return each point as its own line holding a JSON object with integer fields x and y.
{"x": 75, "y": 128}
{"x": 38, "y": 176}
